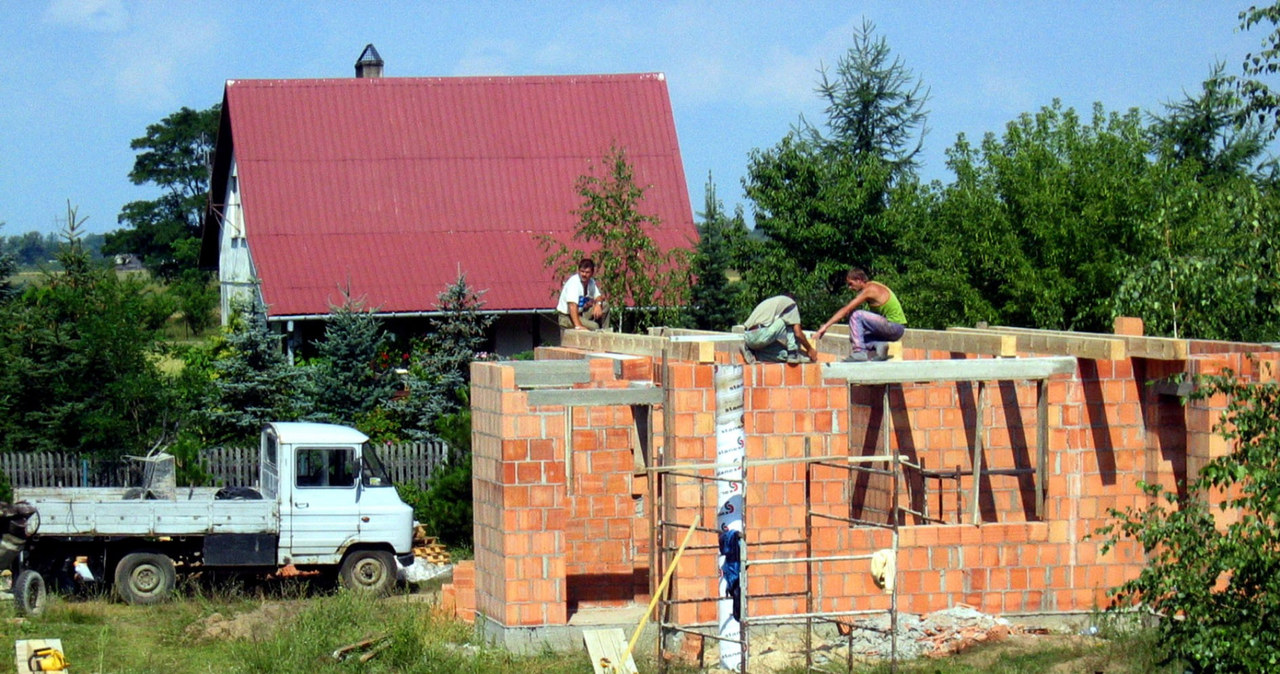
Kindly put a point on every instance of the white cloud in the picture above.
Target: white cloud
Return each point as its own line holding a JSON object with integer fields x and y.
{"x": 148, "y": 64}
{"x": 106, "y": 16}
{"x": 487, "y": 57}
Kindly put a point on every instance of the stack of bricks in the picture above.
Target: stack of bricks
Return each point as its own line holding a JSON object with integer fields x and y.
{"x": 553, "y": 538}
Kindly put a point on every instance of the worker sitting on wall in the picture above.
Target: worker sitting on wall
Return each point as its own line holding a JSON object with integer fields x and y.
{"x": 581, "y": 304}
{"x": 869, "y": 331}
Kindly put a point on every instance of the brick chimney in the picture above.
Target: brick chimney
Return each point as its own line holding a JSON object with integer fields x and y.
{"x": 370, "y": 63}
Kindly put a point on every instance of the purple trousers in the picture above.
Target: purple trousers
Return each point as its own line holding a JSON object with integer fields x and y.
{"x": 866, "y": 327}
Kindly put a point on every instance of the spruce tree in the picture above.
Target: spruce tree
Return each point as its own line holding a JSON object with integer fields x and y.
{"x": 348, "y": 380}
{"x": 714, "y": 301}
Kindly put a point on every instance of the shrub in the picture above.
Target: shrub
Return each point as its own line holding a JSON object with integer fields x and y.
{"x": 1215, "y": 586}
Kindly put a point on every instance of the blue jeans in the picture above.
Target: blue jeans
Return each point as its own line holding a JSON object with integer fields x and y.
{"x": 866, "y": 327}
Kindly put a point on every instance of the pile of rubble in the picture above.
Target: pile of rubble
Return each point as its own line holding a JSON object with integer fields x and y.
{"x": 937, "y": 634}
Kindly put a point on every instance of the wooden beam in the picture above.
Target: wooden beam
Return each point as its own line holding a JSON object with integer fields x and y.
{"x": 1107, "y": 347}
{"x": 970, "y": 369}
{"x": 1004, "y": 346}
{"x": 1136, "y": 346}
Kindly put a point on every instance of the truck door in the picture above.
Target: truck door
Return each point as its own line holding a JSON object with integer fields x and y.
{"x": 323, "y": 509}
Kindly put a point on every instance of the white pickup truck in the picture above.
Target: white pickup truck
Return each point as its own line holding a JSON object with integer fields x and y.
{"x": 323, "y": 503}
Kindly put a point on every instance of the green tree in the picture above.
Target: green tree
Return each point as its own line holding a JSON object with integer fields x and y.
{"x": 644, "y": 285}
{"x": 349, "y": 384}
{"x": 8, "y": 267}
{"x": 1043, "y": 222}
{"x": 175, "y": 157}
{"x": 715, "y": 303}
{"x": 440, "y": 362}
{"x": 1215, "y": 586}
{"x": 1212, "y": 224}
{"x": 1261, "y": 102}
{"x": 821, "y": 199}
{"x": 197, "y": 299}
{"x": 78, "y": 356}
{"x": 253, "y": 382}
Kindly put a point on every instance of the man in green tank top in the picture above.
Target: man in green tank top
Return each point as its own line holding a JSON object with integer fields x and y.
{"x": 869, "y": 330}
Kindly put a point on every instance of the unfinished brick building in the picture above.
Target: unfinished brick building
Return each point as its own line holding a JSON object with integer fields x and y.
{"x": 1013, "y": 445}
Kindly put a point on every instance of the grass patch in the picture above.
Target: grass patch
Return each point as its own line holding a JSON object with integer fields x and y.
{"x": 235, "y": 629}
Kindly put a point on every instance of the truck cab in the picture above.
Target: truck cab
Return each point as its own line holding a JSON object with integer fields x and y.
{"x": 335, "y": 494}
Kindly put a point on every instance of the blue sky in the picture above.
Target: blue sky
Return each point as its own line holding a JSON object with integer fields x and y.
{"x": 85, "y": 77}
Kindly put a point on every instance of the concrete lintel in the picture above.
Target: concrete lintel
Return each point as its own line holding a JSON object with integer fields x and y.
{"x": 1098, "y": 347}
{"x": 596, "y": 397}
{"x": 560, "y": 373}
{"x": 975, "y": 369}
{"x": 1137, "y": 346}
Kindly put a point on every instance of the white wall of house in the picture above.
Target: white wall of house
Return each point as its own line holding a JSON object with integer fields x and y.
{"x": 236, "y": 277}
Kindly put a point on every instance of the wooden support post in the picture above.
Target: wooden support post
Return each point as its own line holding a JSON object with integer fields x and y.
{"x": 978, "y": 428}
{"x": 1042, "y": 444}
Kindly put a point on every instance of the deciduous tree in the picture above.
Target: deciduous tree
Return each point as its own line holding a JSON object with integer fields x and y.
{"x": 175, "y": 158}
{"x": 643, "y": 284}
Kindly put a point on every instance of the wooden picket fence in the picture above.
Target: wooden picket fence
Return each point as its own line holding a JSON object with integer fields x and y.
{"x": 407, "y": 463}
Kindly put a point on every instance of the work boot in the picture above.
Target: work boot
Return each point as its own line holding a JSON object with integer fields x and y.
{"x": 880, "y": 351}
{"x": 747, "y": 357}
{"x": 858, "y": 356}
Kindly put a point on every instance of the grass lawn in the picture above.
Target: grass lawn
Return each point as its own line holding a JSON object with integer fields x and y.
{"x": 287, "y": 628}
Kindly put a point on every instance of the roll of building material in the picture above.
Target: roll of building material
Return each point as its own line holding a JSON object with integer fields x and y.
{"x": 731, "y": 446}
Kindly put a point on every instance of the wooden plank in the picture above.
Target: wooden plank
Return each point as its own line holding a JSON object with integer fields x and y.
{"x": 1004, "y": 346}
{"x": 606, "y": 648}
{"x": 969, "y": 369}
{"x": 1137, "y": 346}
{"x": 1107, "y": 347}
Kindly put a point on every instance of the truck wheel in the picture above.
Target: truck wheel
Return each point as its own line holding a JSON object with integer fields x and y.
{"x": 145, "y": 578}
{"x": 370, "y": 571}
{"x": 29, "y": 593}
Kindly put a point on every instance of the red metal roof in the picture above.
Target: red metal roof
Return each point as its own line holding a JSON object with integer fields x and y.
{"x": 393, "y": 185}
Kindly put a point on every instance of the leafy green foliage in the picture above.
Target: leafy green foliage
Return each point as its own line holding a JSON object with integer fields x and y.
{"x": 643, "y": 285}
{"x": 715, "y": 303}
{"x": 175, "y": 157}
{"x": 77, "y": 361}
{"x": 197, "y": 298}
{"x": 1261, "y": 102}
{"x": 1215, "y": 579}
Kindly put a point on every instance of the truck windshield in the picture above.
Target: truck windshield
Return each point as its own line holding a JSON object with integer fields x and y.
{"x": 374, "y": 474}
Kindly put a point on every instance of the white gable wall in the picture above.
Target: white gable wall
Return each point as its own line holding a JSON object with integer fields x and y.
{"x": 236, "y": 277}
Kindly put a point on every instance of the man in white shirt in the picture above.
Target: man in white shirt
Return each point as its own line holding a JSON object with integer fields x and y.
{"x": 581, "y": 304}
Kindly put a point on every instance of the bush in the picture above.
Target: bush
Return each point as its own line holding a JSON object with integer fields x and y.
{"x": 1215, "y": 586}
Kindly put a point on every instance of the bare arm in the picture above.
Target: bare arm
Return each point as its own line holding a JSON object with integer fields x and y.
{"x": 574, "y": 317}
{"x": 804, "y": 342}
{"x": 844, "y": 311}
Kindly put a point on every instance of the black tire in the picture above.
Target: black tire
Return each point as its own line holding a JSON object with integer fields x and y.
{"x": 145, "y": 578}
{"x": 29, "y": 593}
{"x": 368, "y": 571}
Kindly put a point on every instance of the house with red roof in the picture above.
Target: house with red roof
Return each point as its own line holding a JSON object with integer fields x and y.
{"x": 390, "y": 187}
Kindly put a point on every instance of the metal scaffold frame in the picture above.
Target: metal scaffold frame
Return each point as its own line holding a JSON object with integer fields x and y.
{"x": 664, "y": 480}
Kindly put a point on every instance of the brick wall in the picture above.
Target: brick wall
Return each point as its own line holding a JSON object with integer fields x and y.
{"x": 554, "y": 535}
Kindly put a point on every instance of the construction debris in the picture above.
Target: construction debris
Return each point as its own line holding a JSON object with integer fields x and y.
{"x": 429, "y": 547}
